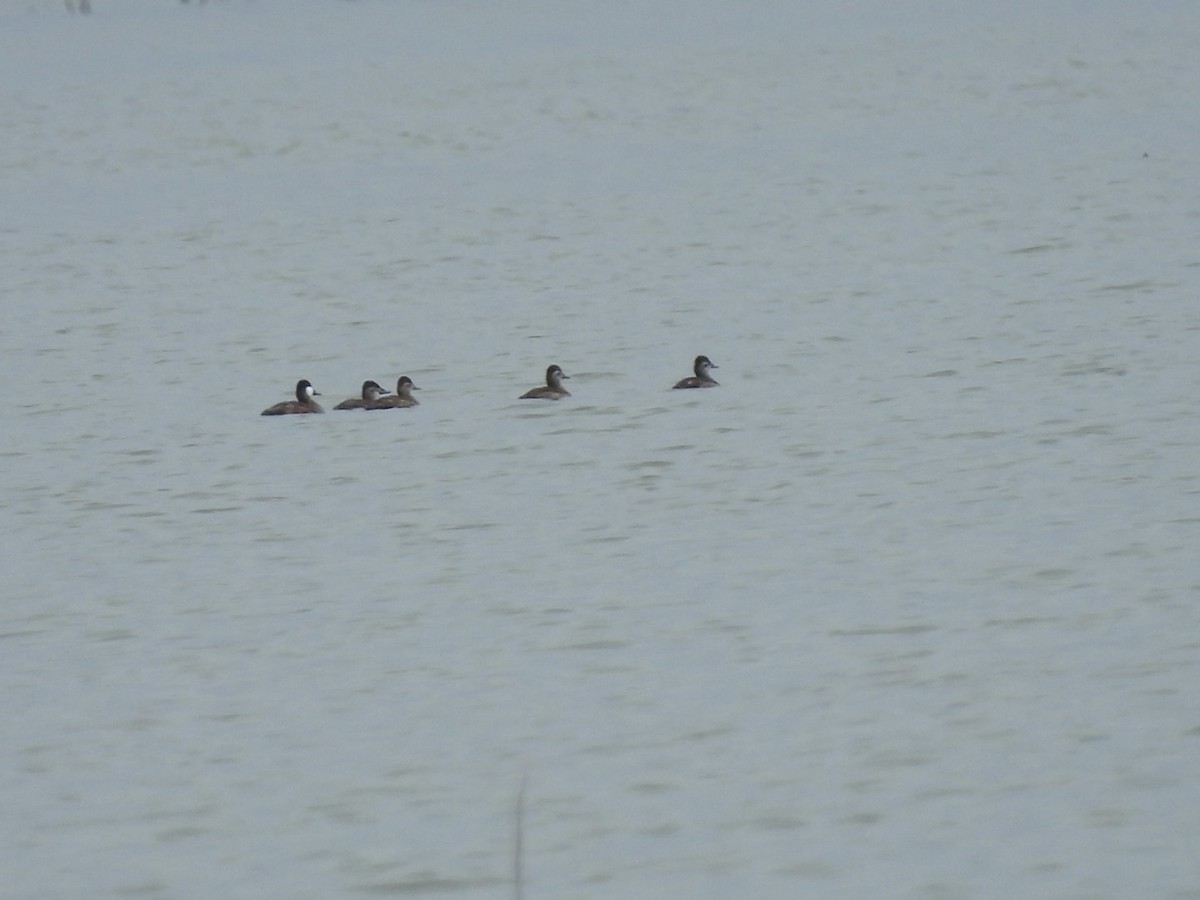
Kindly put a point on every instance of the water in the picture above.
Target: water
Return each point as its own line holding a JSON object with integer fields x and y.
{"x": 904, "y": 608}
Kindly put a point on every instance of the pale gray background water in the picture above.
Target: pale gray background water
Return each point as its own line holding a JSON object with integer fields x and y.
{"x": 905, "y": 608}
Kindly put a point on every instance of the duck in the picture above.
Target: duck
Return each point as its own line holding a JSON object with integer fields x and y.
{"x": 371, "y": 392}
{"x": 304, "y": 402}
{"x": 551, "y": 390}
{"x": 701, "y": 379}
{"x": 403, "y": 397}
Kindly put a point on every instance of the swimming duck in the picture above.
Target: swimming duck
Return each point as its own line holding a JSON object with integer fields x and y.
{"x": 701, "y": 379}
{"x": 304, "y": 402}
{"x": 371, "y": 392}
{"x": 551, "y": 390}
{"x": 403, "y": 397}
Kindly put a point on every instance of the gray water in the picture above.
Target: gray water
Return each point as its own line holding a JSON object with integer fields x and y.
{"x": 905, "y": 608}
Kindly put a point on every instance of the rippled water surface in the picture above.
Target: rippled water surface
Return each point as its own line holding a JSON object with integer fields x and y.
{"x": 905, "y": 607}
